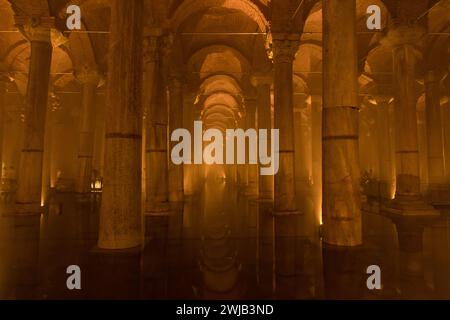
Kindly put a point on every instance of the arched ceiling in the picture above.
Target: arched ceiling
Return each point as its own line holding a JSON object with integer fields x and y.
{"x": 219, "y": 62}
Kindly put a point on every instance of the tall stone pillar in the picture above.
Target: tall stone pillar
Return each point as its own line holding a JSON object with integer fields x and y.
{"x": 242, "y": 169}
{"x": 252, "y": 169}
{"x": 263, "y": 84}
{"x": 408, "y": 199}
{"x": 157, "y": 196}
{"x": 3, "y": 87}
{"x": 436, "y": 163}
{"x": 316, "y": 150}
{"x": 120, "y": 214}
{"x": 284, "y": 48}
{"x": 189, "y": 176}
{"x": 89, "y": 79}
{"x": 341, "y": 172}
{"x": 37, "y": 31}
{"x": 386, "y": 172}
{"x": 176, "y": 179}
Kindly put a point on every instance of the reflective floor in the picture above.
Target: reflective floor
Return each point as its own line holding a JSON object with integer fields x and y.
{"x": 219, "y": 245}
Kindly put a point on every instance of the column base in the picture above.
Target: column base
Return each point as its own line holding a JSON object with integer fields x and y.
{"x": 265, "y": 195}
{"x": 409, "y": 206}
{"x": 439, "y": 196}
{"x": 34, "y": 208}
{"x": 96, "y": 250}
{"x": 83, "y": 196}
{"x": 286, "y": 212}
{"x": 176, "y": 197}
{"x": 157, "y": 209}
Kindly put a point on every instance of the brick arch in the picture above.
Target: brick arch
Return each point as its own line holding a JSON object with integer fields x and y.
{"x": 189, "y": 7}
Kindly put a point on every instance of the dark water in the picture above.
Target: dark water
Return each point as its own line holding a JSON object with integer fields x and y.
{"x": 219, "y": 245}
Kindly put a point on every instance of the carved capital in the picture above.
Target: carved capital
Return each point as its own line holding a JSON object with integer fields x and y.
{"x": 87, "y": 75}
{"x": 284, "y": 47}
{"x": 261, "y": 79}
{"x": 404, "y": 35}
{"x": 250, "y": 104}
{"x": 176, "y": 81}
{"x": 150, "y": 49}
{"x": 382, "y": 99}
{"x": 166, "y": 45}
{"x": 35, "y": 28}
{"x": 5, "y": 77}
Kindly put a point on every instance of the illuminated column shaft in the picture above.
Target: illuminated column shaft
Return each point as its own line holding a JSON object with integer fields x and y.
{"x": 3, "y": 87}
{"x": 316, "y": 150}
{"x": 341, "y": 172}
{"x": 384, "y": 148}
{"x": 436, "y": 167}
{"x": 156, "y": 145}
{"x": 176, "y": 184}
{"x": 29, "y": 190}
{"x": 407, "y": 150}
{"x": 284, "y": 47}
{"x": 242, "y": 168}
{"x": 120, "y": 214}
{"x": 264, "y": 122}
{"x": 89, "y": 80}
{"x": 252, "y": 169}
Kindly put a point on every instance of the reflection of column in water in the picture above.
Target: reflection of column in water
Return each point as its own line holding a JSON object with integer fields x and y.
{"x": 441, "y": 258}
{"x": 292, "y": 277}
{"x": 6, "y": 257}
{"x": 250, "y": 240}
{"x": 265, "y": 250}
{"x": 113, "y": 274}
{"x": 218, "y": 258}
{"x": 155, "y": 258}
{"x": 176, "y": 269}
{"x": 25, "y": 249}
{"x": 410, "y": 239}
{"x": 343, "y": 272}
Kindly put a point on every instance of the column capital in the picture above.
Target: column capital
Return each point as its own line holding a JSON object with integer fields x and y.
{"x": 284, "y": 47}
{"x": 433, "y": 76}
{"x": 382, "y": 98}
{"x": 166, "y": 44}
{"x": 35, "y": 28}
{"x": 260, "y": 79}
{"x": 404, "y": 35}
{"x": 5, "y": 78}
{"x": 250, "y": 104}
{"x": 87, "y": 75}
{"x": 150, "y": 49}
{"x": 176, "y": 80}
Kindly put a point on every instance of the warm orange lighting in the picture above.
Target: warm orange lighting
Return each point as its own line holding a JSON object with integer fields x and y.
{"x": 97, "y": 185}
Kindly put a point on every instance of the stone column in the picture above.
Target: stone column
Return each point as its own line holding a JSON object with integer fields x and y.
{"x": 408, "y": 199}
{"x": 341, "y": 172}
{"x": 120, "y": 214}
{"x": 242, "y": 169}
{"x": 156, "y": 143}
{"x": 252, "y": 169}
{"x": 89, "y": 79}
{"x": 436, "y": 164}
{"x": 262, "y": 84}
{"x": 284, "y": 49}
{"x": 3, "y": 87}
{"x": 316, "y": 150}
{"x": 37, "y": 31}
{"x": 189, "y": 98}
{"x": 386, "y": 173}
{"x": 176, "y": 181}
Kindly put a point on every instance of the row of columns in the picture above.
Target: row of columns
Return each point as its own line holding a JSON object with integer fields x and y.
{"x": 120, "y": 219}
{"x": 28, "y": 196}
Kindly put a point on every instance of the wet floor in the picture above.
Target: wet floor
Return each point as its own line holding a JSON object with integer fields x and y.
{"x": 219, "y": 245}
